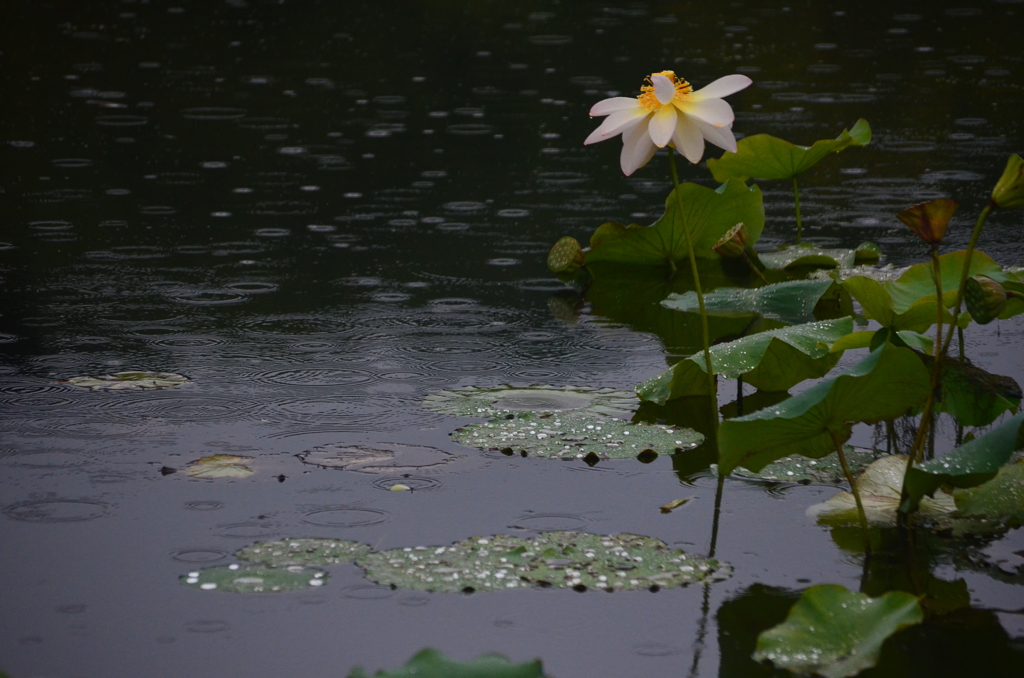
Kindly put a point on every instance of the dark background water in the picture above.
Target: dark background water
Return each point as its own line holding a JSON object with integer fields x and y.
{"x": 322, "y": 212}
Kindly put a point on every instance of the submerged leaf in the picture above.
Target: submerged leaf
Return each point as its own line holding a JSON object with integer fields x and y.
{"x": 492, "y": 402}
{"x": 969, "y": 465}
{"x": 618, "y": 562}
{"x": 772, "y": 361}
{"x": 432, "y": 664}
{"x": 880, "y": 487}
{"x": 235, "y": 579}
{"x": 835, "y": 632}
{"x": 129, "y": 380}
{"x": 575, "y": 435}
{"x": 305, "y": 552}
{"x": 763, "y": 156}
{"x": 792, "y": 301}
{"x": 220, "y": 466}
{"x": 812, "y": 256}
{"x": 883, "y": 385}
{"x": 707, "y": 214}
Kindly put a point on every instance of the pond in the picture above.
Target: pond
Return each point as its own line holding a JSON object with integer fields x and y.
{"x": 325, "y": 226}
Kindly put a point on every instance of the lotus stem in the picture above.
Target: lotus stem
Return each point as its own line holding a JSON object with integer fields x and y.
{"x": 796, "y": 200}
{"x": 705, "y": 335}
{"x": 926, "y": 419}
{"x": 753, "y": 267}
{"x": 856, "y": 493}
{"x": 718, "y": 512}
{"x": 960, "y": 338}
{"x": 739, "y": 396}
{"x": 965, "y": 273}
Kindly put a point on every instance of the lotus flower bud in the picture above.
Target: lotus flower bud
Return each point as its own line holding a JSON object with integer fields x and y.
{"x": 734, "y": 243}
{"x": 985, "y": 299}
{"x": 928, "y": 219}
{"x": 1009, "y": 192}
{"x": 566, "y": 256}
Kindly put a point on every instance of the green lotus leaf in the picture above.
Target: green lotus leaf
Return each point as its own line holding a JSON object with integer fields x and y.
{"x": 432, "y": 664}
{"x": 811, "y": 256}
{"x": 909, "y": 302}
{"x": 306, "y": 552}
{"x": 834, "y": 632}
{"x": 824, "y": 471}
{"x": 618, "y": 562}
{"x": 707, "y": 213}
{"x": 969, "y": 465}
{"x": 972, "y": 395}
{"x": 220, "y": 466}
{"x": 493, "y": 402}
{"x": 883, "y": 385}
{"x": 575, "y": 435}
{"x": 245, "y": 579}
{"x": 880, "y": 487}
{"x": 1002, "y": 497}
{"x": 792, "y": 301}
{"x": 129, "y": 380}
{"x": 631, "y": 295}
{"x": 773, "y": 361}
{"x": 763, "y": 156}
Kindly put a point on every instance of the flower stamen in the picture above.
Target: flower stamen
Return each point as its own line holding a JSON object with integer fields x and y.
{"x": 649, "y": 100}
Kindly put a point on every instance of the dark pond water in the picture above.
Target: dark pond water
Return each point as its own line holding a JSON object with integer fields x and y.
{"x": 322, "y": 212}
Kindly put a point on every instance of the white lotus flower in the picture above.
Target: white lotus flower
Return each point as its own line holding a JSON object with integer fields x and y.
{"x": 669, "y": 111}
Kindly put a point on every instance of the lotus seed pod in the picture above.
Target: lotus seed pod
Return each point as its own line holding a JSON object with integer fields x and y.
{"x": 734, "y": 243}
{"x": 1009, "y": 191}
{"x": 985, "y": 299}
{"x": 566, "y": 256}
{"x": 929, "y": 219}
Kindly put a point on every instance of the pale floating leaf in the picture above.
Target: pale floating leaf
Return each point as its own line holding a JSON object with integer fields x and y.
{"x": 220, "y": 466}
{"x": 129, "y": 380}
{"x": 619, "y": 562}
{"x": 812, "y": 256}
{"x": 880, "y": 486}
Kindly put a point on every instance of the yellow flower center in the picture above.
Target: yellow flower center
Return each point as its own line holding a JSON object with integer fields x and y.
{"x": 648, "y": 99}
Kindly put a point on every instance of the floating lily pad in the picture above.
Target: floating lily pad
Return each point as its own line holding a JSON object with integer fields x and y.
{"x": 494, "y": 402}
{"x": 805, "y": 255}
{"x": 236, "y": 579}
{"x": 432, "y": 664}
{"x": 383, "y": 458}
{"x": 221, "y": 466}
{"x": 880, "y": 486}
{"x": 825, "y": 471}
{"x": 836, "y": 633}
{"x": 792, "y": 301}
{"x": 619, "y": 562}
{"x": 129, "y": 380}
{"x": 574, "y": 435}
{"x": 306, "y": 552}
